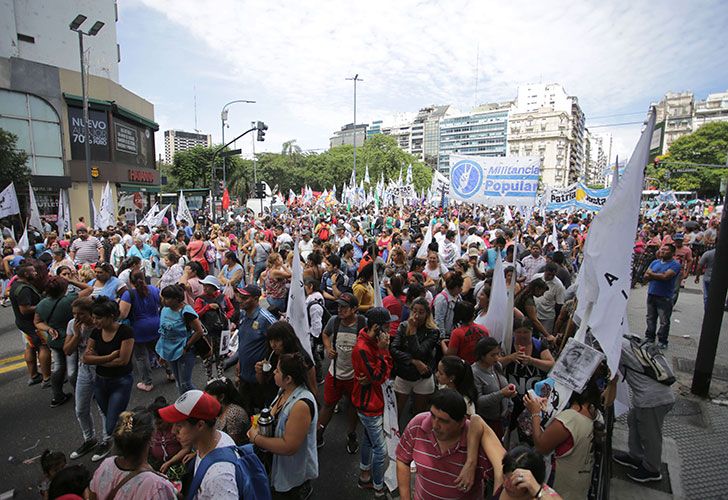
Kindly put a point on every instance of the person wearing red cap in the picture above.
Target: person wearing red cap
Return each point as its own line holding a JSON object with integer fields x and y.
{"x": 194, "y": 415}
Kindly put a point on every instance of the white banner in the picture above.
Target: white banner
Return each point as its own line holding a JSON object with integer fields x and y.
{"x": 391, "y": 433}
{"x": 64, "y": 214}
{"x": 34, "y": 220}
{"x": 296, "y": 312}
{"x": 9, "y": 201}
{"x": 497, "y": 181}
{"x": 183, "y": 211}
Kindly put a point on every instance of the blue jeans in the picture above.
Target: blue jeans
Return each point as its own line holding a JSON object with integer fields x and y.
{"x": 279, "y": 304}
{"x": 182, "y": 370}
{"x": 112, "y": 394}
{"x": 706, "y": 288}
{"x": 85, "y": 385}
{"x": 658, "y": 307}
{"x": 373, "y": 449}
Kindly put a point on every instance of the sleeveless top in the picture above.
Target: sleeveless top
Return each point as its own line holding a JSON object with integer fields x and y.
{"x": 574, "y": 468}
{"x": 275, "y": 287}
{"x": 287, "y": 472}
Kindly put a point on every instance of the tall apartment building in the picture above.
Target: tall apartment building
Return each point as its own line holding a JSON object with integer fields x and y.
{"x": 713, "y": 108}
{"x": 549, "y": 123}
{"x": 179, "y": 140}
{"x": 482, "y": 132}
{"x": 348, "y": 134}
{"x": 596, "y": 157}
{"x": 676, "y": 110}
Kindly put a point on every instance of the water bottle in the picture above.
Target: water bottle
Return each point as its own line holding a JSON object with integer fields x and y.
{"x": 265, "y": 423}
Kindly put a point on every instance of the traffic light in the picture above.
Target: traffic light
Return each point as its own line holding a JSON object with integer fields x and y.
{"x": 259, "y": 190}
{"x": 262, "y": 127}
{"x": 221, "y": 186}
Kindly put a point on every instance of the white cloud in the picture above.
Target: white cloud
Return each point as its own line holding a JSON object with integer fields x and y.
{"x": 293, "y": 57}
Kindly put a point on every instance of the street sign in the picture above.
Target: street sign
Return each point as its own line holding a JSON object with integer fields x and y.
{"x": 232, "y": 152}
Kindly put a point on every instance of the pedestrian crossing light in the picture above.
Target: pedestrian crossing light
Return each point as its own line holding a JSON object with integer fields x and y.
{"x": 262, "y": 127}
{"x": 259, "y": 190}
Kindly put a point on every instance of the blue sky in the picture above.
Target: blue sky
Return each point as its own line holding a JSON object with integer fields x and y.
{"x": 293, "y": 58}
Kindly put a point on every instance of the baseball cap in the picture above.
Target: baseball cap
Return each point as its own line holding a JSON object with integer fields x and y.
{"x": 348, "y": 300}
{"x": 211, "y": 280}
{"x": 378, "y": 316}
{"x": 250, "y": 290}
{"x": 473, "y": 252}
{"x": 678, "y": 236}
{"x": 191, "y": 404}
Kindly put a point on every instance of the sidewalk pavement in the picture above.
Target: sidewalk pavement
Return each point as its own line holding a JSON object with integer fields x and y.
{"x": 695, "y": 441}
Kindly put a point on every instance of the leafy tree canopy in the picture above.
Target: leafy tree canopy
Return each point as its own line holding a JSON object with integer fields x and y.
{"x": 14, "y": 161}
{"x": 707, "y": 145}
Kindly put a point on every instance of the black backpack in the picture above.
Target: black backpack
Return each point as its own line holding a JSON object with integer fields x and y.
{"x": 326, "y": 314}
{"x": 215, "y": 321}
{"x": 653, "y": 361}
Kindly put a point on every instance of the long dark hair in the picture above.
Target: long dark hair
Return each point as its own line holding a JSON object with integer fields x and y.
{"x": 139, "y": 280}
{"x": 133, "y": 433}
{"x": 293, "y": 365}
{"x": 462, "y": 375}
{"x": 283, "y": 331}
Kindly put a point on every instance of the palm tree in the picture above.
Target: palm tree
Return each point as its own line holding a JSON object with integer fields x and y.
{"x": 290, "y": 148}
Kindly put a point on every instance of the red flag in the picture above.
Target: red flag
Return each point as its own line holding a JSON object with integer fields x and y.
{"x": 225, "y": 199}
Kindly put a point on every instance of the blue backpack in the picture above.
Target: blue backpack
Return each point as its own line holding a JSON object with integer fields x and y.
{"x": 250, "y": 473}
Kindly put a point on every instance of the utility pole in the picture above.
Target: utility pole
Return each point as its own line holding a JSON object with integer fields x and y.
{"x": 355, "y": 79}
{"x": 255, "y": 169}
{"x": 713, "y": 316}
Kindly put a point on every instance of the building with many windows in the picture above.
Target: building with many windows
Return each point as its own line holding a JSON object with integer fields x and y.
{"x": 481, "y": 132}
{"x": 348, "y": 134}
{"x": 179, "y": 140}
{"x": 714, "y": 108}
{"x": 40, "y": 102}
{"x": 676, "y": 111}
{"x": 596, "y": 154}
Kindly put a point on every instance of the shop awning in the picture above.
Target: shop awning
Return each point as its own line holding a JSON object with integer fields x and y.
{"x": 137, "y": 188}
{"x": 115, "y": 108}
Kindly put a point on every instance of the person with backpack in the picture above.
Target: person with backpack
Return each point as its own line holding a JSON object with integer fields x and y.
{"x": 215, "y": 311}
{"x": 443, "y": 306}
{"x": 24, "y": 297}
{"x": 339, "y": 338}
{"x": 317, "y": 316}
{"x": 220, "y": 470}
{"x": 140, "y": 305}
{"x": 651, "y": 400}
{"x": 179, "y": 329}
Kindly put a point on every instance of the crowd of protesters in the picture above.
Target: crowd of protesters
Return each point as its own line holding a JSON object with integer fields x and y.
{"x": 106, "y": 312}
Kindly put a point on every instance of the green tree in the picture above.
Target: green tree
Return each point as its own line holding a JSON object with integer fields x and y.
{"x": 13, "y": 160}
{"x": 708, "y": 145}
{"x": 192, "y": 169}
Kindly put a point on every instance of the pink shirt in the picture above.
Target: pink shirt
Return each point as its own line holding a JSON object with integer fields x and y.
{"x": 437, "y": 471}
{"x": 147, "y": 485}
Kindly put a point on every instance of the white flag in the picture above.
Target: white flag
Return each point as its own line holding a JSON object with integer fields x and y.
{"x": 34, "y": 220}
{"x": 149, "y": 216}
{"x": 366, "y": 175}
{"x": 495, "y": 318}
{"x": 183, "y": 212}
{"x": 23, "y": 244}
{"x": 376, "y": 286}
{"x": 296, "y": 312}
{"x": 604, "y": 278}
{"x": 172, "y": 224}
{"x": 507, "y": 214}
{"x": 408, "y": 179}
{"x": 106, "y": 215}
{"x": 9, "y": 201}
{"x": 157, "y": 219}
{"x": 64, "y": 214}
{"x": 422, "y": 251}
{"x": 555, "y": 236}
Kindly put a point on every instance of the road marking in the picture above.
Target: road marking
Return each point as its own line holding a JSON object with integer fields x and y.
{"x": 13, "y": 367}
{"x": 11, "y": 358}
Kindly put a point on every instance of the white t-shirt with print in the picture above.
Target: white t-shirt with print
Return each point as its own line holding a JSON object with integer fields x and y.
{"x": 219, "y": 481}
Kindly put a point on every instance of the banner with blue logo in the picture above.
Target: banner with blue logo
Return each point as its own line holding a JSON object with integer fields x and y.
{"x": 577, "y": 196}
{"x": 497, "y": 181}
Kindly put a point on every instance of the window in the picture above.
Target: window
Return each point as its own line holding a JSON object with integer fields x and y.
{"x": 25, "y": 38}
{"x": 38, "y": 129}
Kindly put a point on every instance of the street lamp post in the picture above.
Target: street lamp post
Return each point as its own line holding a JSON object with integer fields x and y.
{"x": 76, "y": 26}
{"x": 355, "y": 79}
{"x": 223, "y": 119}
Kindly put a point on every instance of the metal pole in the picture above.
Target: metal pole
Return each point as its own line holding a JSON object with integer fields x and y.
{"x": 224, "y": 173}
{"x": 255, "y": 170}
{"x": 355, "y": 78}
{"x": 87, "y": 133}
{"x": 713, "y": 317}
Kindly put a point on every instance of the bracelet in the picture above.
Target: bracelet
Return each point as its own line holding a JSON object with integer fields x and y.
{"x": 539, "y": 493}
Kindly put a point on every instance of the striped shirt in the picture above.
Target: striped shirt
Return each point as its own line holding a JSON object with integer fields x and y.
{"x": 437, "y": 470}
{"x": 86, "y": 251}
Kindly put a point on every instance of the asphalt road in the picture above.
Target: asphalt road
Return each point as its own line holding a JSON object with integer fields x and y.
{"x": 30, "y": 426}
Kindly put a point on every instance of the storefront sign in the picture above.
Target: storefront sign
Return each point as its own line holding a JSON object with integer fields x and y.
{"x": 126, "y": 139}
{"x": 142, "y": 176}
{"x": 98, "y": 124}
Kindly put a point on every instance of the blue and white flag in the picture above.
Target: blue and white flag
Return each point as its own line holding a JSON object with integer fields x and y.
{"x": 497, "y": 181}
{"x": 578, "y": 196}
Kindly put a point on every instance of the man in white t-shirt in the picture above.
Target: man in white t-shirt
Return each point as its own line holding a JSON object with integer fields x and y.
{"x": 194, "y": 415}
{"x": 305, "y": 246}
{"x": 549, "y": 304}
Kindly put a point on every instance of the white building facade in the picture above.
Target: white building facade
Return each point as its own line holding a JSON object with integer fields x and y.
{"x": 179, "y": 140}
